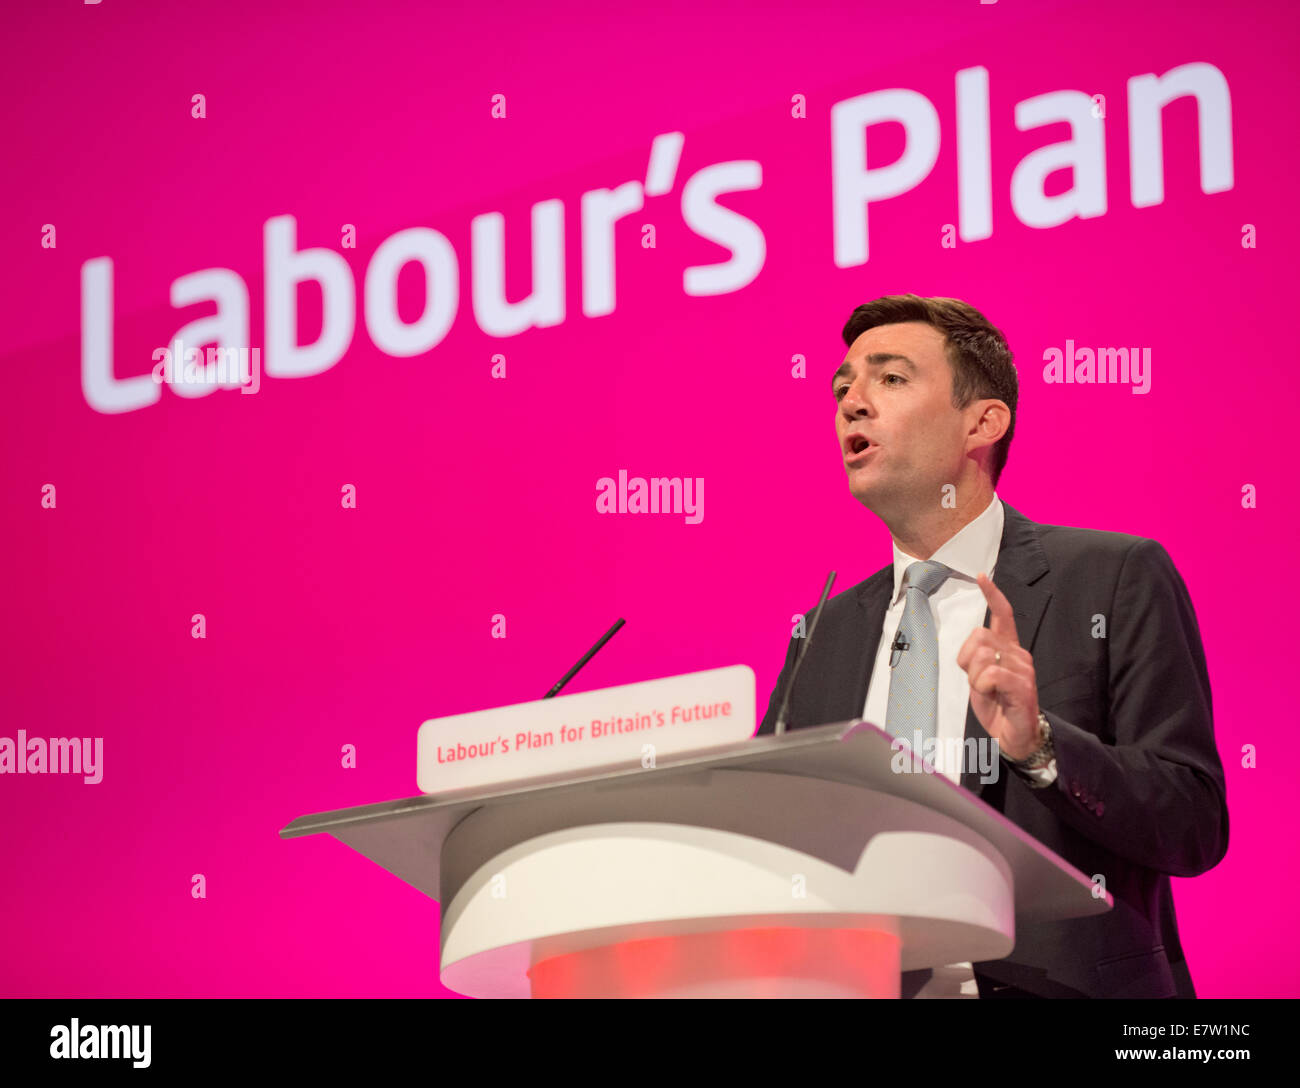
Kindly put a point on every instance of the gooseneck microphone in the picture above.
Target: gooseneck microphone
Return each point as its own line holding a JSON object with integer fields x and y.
{"x": 585, "y": 658}
{"x": 803, "y": 650}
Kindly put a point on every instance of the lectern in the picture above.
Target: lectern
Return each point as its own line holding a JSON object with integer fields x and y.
{"x": 810, "y": 864}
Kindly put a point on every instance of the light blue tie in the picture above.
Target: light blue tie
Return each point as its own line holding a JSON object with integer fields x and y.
{"x": 914, "y": 679}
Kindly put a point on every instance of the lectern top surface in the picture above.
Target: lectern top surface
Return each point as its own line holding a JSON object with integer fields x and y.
{"x": 406, "y": 836}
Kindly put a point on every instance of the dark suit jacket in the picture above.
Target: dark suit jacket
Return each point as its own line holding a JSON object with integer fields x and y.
{"x": 1139, "y": 795}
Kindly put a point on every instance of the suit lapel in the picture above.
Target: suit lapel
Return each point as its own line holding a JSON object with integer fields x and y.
{"x": 1020, "y": 564}
{"x": 873, "y": 602}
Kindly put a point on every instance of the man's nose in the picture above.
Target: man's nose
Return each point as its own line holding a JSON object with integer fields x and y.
{"x": 856, "y": 401}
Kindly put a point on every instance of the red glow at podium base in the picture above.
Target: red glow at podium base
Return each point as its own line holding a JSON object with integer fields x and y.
{"x": 761, "y": 963}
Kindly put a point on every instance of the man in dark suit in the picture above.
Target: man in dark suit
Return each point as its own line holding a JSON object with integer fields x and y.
{"x": 1088, "y": 670}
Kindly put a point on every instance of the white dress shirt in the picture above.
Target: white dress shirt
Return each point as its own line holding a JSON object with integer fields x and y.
{"x": 958, "y": 607}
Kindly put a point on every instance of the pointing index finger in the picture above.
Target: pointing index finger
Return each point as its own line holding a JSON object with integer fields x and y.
{"x": 1002, "y": 618}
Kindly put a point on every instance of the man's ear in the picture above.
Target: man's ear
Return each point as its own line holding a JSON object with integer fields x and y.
{"x": 991, "y": 420}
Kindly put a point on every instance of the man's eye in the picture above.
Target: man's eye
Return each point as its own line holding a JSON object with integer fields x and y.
{"x": 841, "y": 390}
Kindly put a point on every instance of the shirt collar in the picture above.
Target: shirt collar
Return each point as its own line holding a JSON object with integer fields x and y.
{"x": 969, "y": 551}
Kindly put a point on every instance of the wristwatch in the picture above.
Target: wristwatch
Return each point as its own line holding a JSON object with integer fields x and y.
{"x": 1043, "y": 754}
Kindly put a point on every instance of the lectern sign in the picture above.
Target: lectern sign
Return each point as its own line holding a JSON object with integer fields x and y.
{"x": 627, "y": 726}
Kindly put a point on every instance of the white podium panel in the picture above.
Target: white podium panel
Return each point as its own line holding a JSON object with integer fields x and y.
{"x": 943, "y": 891}
{"x": 816, "y": 863}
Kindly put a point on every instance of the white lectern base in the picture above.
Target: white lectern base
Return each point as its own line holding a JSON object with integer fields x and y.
{"x": 662, "y": 909}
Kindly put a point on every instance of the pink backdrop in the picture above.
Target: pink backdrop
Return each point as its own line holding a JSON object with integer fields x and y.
{"x": 328, "y": 626}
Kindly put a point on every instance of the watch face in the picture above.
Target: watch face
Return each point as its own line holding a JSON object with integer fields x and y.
{"x": 1042, "y": 755}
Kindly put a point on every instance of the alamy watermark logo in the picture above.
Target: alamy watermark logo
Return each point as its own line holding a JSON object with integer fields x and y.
{"x": 656, "y": 495}
{"x": 191, "y": 372}
{"x": 1104, "y": 366}
{"x": 970, "y": 754}
{"x": 120, "y": 1041}
{"x": 58, "y": 755}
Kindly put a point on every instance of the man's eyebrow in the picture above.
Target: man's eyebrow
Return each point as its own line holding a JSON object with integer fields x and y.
{"x": 879, "y": 358}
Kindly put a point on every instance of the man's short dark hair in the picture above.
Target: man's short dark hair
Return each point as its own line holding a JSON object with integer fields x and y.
{"x": 982, "y": 366}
